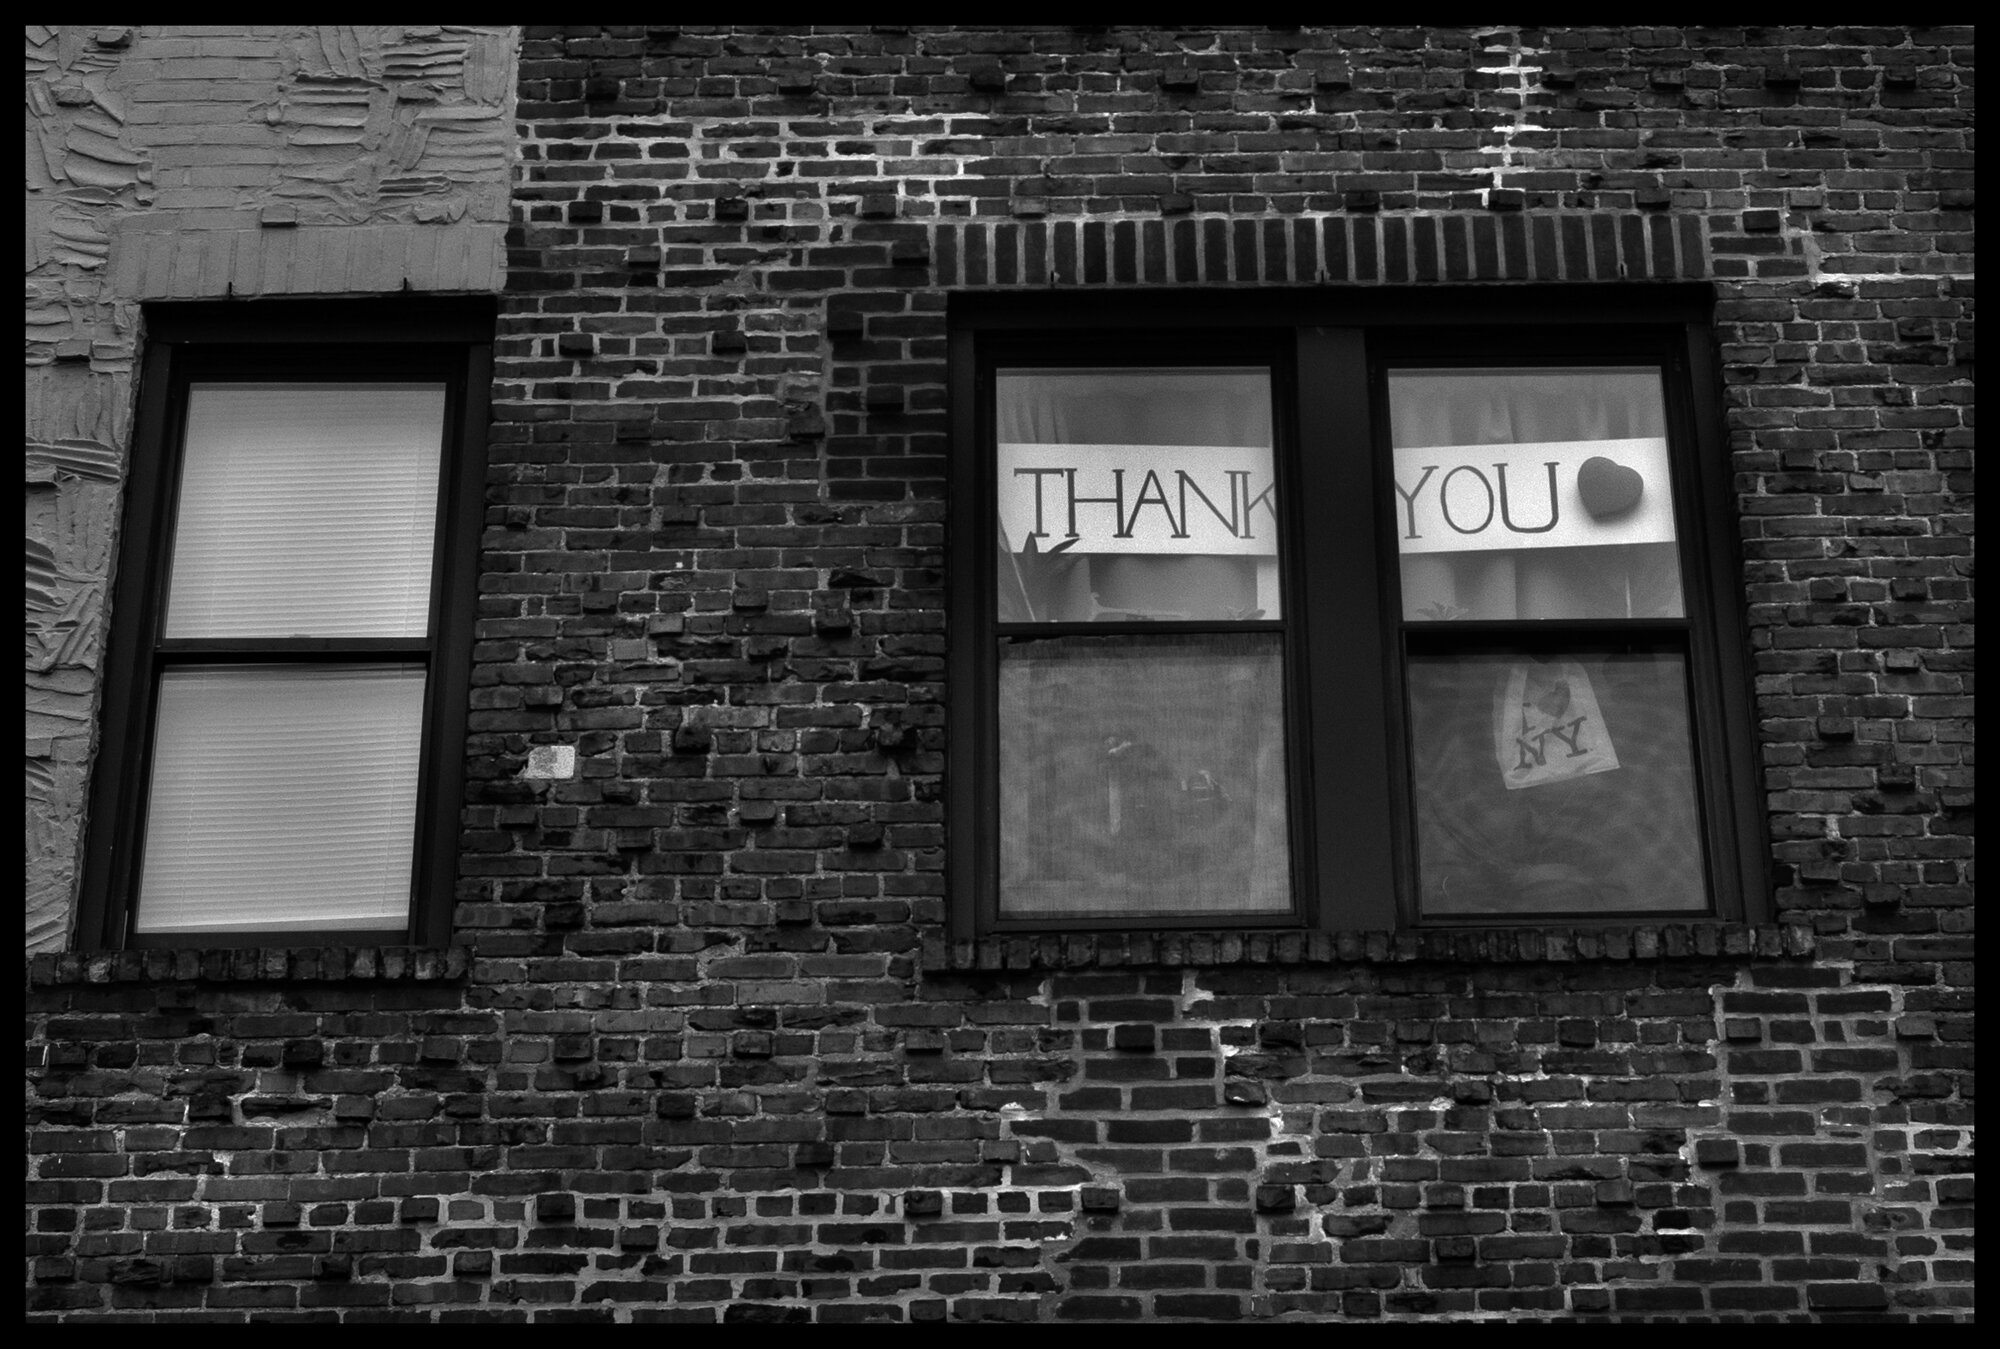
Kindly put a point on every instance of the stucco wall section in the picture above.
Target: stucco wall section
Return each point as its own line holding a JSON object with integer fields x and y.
{"x": 198, "y": 164}
{"x": 272, "y": 145}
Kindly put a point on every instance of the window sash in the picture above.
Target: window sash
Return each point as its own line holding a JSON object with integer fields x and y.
{"x": 282, "y": 798}
{"x": 306, "y": 509}
{"x": 1555, "y": 779}
{"x": 1143, "y": 776}
{"x": 1135, "y": 494}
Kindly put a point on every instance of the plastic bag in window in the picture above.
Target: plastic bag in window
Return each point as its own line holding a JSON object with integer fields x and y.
{"x": 1547, "y": 726}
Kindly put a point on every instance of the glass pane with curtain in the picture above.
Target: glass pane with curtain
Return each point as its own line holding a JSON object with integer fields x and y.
{"x": 1143, "y": 775}
{"x": 1533, "y": 494}
{"x": 1133, "y": 495}
{"x": 307, "y": 510}
{"x": 283, "y": 797}
{"x": 1555, "y": 784}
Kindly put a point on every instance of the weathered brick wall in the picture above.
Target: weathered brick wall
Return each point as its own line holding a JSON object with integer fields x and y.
{"x": 178, "y": 163}
{"x": 703, "y": 1052}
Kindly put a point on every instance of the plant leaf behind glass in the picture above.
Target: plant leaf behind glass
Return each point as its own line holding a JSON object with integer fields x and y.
{"x": 1033, "y": 582}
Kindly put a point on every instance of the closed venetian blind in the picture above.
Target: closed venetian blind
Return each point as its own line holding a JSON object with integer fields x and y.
{"x": 283, "y": 797}
{"x": 307, "y": 510}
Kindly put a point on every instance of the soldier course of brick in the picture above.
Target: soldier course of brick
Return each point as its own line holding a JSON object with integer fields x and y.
{"x": 703, "y": 1046}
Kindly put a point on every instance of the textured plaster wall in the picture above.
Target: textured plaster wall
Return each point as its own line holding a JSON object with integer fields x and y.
{"x": 209, "y": 164}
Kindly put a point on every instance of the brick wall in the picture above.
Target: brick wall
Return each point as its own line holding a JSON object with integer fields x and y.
{"x": 702, "y": 1051}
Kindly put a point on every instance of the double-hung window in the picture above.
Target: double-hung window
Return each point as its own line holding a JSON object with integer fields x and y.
{"x": 1367, "y": 613}
{"x": 284, "y": 720}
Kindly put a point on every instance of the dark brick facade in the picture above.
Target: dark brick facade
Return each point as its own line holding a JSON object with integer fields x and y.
{"x": 703, "y": 1049}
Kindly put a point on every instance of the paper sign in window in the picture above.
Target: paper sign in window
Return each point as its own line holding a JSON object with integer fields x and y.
{"x": 1135, "y": 495}
{"x": 1158, "y": 499}
{"x": 1565, "y": 494}
{"x": 1533, "y": 494}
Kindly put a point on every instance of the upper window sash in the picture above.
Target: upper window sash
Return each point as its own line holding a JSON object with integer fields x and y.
{"x": 307, "y": 509}
{"x": 1136, "y": 494}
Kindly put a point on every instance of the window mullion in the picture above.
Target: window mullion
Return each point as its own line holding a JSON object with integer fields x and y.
{"x": 1341, "y": 687}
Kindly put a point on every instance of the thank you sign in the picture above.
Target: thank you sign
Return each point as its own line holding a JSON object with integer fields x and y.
{"x": 1139, "y": 498}
{"x": 1567, "y": 494}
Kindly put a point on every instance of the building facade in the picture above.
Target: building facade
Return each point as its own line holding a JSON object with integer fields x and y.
{"x": 659, "y": 835}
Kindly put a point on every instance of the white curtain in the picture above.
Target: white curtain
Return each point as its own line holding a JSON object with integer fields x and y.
{"x": 1135, "y": 407}
{"x": 1513, "y": 407}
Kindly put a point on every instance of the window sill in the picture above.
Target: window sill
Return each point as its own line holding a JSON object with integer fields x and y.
{"x": 273, "y": 964}
{"x": 1483, "y": 946}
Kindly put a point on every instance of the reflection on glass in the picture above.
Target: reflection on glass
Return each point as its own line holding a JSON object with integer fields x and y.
{"x": 1533, "y": 494}
{"x": 1135, "y": 495}
{"x": 1555, "y": 784}
{"x": 1142, "y": 774}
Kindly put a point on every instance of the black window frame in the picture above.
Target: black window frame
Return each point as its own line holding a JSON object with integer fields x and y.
{"x": 1353, "y": 845}
{"x": 443, "y": 339}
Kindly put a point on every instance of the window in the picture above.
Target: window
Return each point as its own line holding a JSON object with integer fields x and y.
{"x": 284, "y": 717}
{"x": 1389, "y": 611}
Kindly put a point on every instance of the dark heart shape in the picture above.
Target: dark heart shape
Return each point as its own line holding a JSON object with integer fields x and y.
{"x": 1608, "y": 488}
{"x": 1555, "y": 702}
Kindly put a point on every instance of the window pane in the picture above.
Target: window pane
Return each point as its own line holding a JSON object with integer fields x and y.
{"x": 1142, "y": 775}
{"x": 307, "y": 510}
{"x": 1555, "y": 784}
{"x": 1525, "y": 494}
{"x": 282, "y": 797}
{"x": 1133, "y": 495}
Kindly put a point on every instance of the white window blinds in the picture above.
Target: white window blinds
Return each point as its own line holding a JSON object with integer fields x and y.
{"x": 307, "y": 510}
{"x": 283, "y": 797}
{"x": 284, "y": 787}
